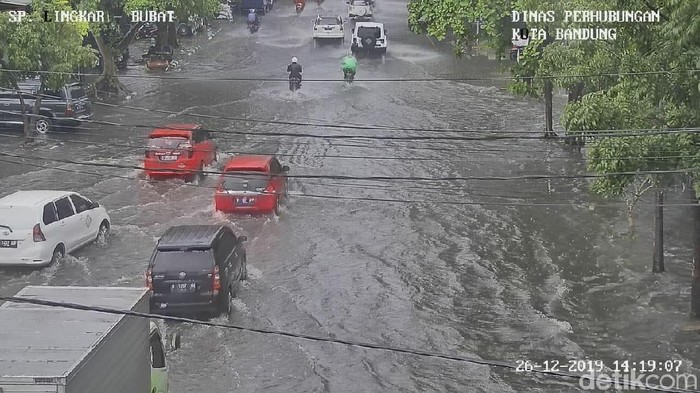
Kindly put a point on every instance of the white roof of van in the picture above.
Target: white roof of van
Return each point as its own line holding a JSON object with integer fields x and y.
{"x": 31, "y": 198}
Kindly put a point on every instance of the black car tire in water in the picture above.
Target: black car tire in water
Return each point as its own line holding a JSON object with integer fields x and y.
{"x": 277, "y": 206}
{"x": 244, "y": 274}
{"x": 201, "y": 172}
{"x": 103, "y": 231}
{"x": 42, "y": 125}
{"x": 58, "y": 253}
{"x": 184, "y": 30}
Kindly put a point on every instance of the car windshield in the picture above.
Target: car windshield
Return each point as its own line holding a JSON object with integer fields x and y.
{"x": 17, "y": 218}
{"x": 368, "y": 32}
{"x": 194, "y": 260}
{"x": 328, "y": 21}
{"x": 167, "y": 142}
{"x": 245, "y": 181}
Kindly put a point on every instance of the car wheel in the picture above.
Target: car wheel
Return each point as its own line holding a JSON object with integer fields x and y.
{"x": 244, "y": 274}
{"x": 277, "y": 206}
{"x": 103, "y": 231}
{"x": 229, "y": 302}
{"x": 201, "y": 173}
{"x": 184, "y": 30}
{"x": 58, "y": 253}
{"x": 42, "y": 126}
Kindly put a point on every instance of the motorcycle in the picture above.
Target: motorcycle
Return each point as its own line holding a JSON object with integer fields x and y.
{"x": 349, "y": 76}
{"x": 253, "y": 27}
{"x": 148, "y": 30}
{"x": 294, "y": 83}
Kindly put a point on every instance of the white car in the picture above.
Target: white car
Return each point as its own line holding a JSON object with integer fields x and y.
{"x": 360, "y": 9}
{"x": 329, "y": 27}
{"x": 369, "y": 37}
{"x": 40, "y": 227}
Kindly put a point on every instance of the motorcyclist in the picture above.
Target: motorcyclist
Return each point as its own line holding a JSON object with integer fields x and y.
{"x": 294, "y": 69}
{"x": 253, "y": 18}
{"x": 349, "y": 64}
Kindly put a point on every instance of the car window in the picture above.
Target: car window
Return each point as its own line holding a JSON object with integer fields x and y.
{"x": 195, "y": 260}
{"x": 364, "y": 32}
{"x": 64, "y": 208}
{"x": 50, "y": 93}
{"x": 225, "y": 247}
{"x": 75, "y": 91}
{"x": 245, "y": 181}
{"x": 49, "y": 215}
{"x": 199, "y": 136}
{"x": 275, "y": 167}
{"x": 166, "y": 142}
{"x": 17, "y": 217}
{"x": 329, "y": 21}
{"x": 81, "y": 204}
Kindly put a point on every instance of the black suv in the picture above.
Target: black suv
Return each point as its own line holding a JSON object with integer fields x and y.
{"x": 63, "y": 108}
{"x": 196, "y": 269}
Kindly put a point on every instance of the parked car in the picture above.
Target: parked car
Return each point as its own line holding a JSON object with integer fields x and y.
{"x": 360, "y": 9}
{"x": 179, "y": 150}
{"x": 328, "y": 27}
{"x": 63, "y": 108}
{"x": 369, "y": 37}
{"x": 193, "y": 24}
{"x": 196, "y": 269}
{"x": 251, "y": 184}
{"x": 261, "y": 6}
{"x": 37, "y": 228}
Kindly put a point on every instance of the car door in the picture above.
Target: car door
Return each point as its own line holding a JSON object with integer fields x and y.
{"x": 69, "y": 225}
{"x": 83, "y": 209}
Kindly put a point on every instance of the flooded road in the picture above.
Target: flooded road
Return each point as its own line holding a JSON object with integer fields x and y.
{"x": 506, "y": 270}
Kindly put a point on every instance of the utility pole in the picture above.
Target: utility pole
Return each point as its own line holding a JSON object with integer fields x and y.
{"x": 548, "y": 102}
{"x": 695, "y": 286}
{"x": 658, "y": 264}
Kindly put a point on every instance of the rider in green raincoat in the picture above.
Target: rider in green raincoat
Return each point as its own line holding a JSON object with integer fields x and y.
{"x": 349, "y": 64}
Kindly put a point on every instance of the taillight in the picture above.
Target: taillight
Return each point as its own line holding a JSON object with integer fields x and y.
{"x": 38, "y": 234}
{"x": 69, "y": 110}
{"x": 217, "y": 279}
{"x": 149, "y": 278}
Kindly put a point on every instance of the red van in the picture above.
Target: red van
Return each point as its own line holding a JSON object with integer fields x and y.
{"x": 179, "y": 150}
{"x": 251, "y": 184}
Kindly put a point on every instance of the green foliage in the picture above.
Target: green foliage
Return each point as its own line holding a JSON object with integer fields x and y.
{"x": 36, "y": 46}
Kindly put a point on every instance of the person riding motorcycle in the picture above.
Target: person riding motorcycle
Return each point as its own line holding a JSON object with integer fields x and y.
{"x": 253, "y": 19}
{"x": 294, "y": 70}
{"x": 349, "y": 65}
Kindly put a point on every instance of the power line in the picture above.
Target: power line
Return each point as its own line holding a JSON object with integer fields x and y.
{"x": 371, "y": 199}
{"x": 331, "y": 340}
{"x": 383, "y": 178}
{"x": 365, "y": 157}
{"x": 230, "y": 79}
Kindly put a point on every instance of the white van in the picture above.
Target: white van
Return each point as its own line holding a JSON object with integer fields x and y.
{"x": 37, "y": 228}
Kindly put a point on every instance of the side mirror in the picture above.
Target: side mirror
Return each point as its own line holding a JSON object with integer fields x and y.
{"x": 285, "y": 168}
{"x": 243, "y": 238}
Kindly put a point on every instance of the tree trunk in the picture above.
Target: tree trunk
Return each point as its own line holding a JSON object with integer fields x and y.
{"x": 28, "y": 134}
{"x": 695, "y": 287}
{"x": 631, "y": 225}
{"x": 35, "y": 114}
{"x": 658, "y": 263}
{"x": 548, "y": 91}
{"x": 167, "y": 35}
{"x": 108, "y": 80}
{"x": 172, "y": 35}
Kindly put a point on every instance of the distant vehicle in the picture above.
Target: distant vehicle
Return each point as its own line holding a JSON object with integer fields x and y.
{"x": 260, "y": 6}
{"x": 518, "y": 47}
{"x": 66, "y": 107}
{"x": 360, "y": 9}
{"x": 193, "y": 24}
{"x": 179, "y": 150}
{"x": 224, "y": 12}
{"x": 38, "y": 228}
{"x": 196, "y": 269}
{"x": 251, "y": 184}
{"x": 328, "y": 27}
{"x": 52, "y": 349}
{"x": 370, "y": 37}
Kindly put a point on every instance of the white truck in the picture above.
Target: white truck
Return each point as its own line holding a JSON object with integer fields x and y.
{"x": 59, "y": 350}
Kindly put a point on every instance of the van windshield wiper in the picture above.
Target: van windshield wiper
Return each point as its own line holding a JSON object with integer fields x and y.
{"x": 5, "y": 226}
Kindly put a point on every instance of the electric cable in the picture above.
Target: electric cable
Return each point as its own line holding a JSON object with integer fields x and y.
{"x": 331, "y": 340}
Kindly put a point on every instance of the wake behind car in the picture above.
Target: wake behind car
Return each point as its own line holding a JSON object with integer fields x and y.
{"x": 369, "y": 37}
{"x": 251, "y": 184}
{"x": 196, "y": 269}
{"x": 179, "y": 150}
{"x": 66, "y": 107}
{"x": 37, "y": 228}
{"x": 328, "y": 28}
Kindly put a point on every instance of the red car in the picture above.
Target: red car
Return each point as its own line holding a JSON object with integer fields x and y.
{"x": 251, "y": 184}
{"x": 179, "y": 150}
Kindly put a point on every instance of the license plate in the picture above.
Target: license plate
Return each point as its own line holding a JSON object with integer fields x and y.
{"x": 183, "y": 287}
{"x": 8, "y": 243}
{"x": 245, "y": 201}
{"x": 328, "y": 28}
{"x": 168, "y": 158}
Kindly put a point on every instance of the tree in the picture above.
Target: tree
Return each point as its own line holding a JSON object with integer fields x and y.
{"x": 50, "y": 51}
